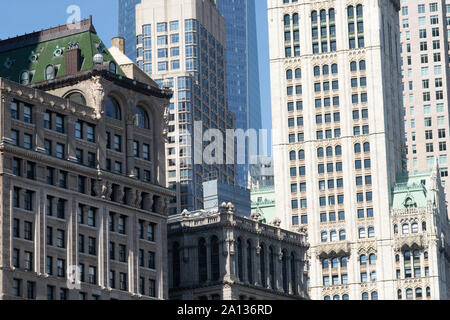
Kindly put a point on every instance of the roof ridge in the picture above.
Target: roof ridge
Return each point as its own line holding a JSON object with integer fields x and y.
{"x": 47, "y": 35}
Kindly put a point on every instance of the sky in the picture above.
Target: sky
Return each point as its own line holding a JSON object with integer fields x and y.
{"x": 43, "y": 14}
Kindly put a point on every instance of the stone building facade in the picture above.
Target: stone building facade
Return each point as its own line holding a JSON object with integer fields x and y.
{"x": 84, "y": 210}
{"x": 218, "y": 255}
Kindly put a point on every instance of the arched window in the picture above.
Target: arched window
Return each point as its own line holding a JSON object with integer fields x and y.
{"x": 331, "y": 14}
{"x": 425, "y": 255}
{"x": 176, "y": 265}
{"x": 293, "y": 274}
{"x": 343, "y": 262}
{"x": 362, "y": 65}
{"x": 113, "y": 109}
{"x": 141, "y": 118}
{"x": 399, "y": 294}
{"x": 397, "y": 258}
{"x": 324, "y": 236}
{"x": 24, "y": 78}
{"x": 336, "y": 297}
{"x": 301, "y": 155}
{"x": 320, "y": 153}
{"x": 416, "y": 256}
{"x": 372, "y": 259}
{"x": 424, "y": 226}
{"x": 284, "y": 272}
{"x": 395, "y": 229}
{"x": 327, "y": 298}
{"x": 414, "y": 228}
{"x": 292, "y": 155}
{"x": 202, "y": 261}
{"x": 295, "y": 19}
{"x": 240, "y": 253}
{"x": 262, "y": 264}
{"x": 359, "y": 11}
{"x": 316, "y": 71}
{"x": 409, "y": 293}
{"x": 333, "y": 235}
{"x": 323, "y": 16}
{"x": 325, "y": 263}
{"x": 272, "y": 268}
{"x": 407, "y": 257}
{"x": 334, "y": 68}
{"x": 353, "y": 66}
{"x": 350, "y": 12}
{"x": 366, "y": 147}
{"x": 76, "y": 97}
{"x": 357, "y": 148}
{"x": 334, "y": 263}
{"x": 345, "y": 297}
{"x": 249, "y": 262}
{"x": 289, "y": 74}
{"x": 325, "y": 70}
{"x": 374, "y": 295}
{"x": 342, "y": 235}
{"x": 371, "y": 232}
{"x": 418, "y": 293}
{"x": 215, "y": 259}
{"x": 362, "y": 233}
{"x": 405, "y": 228}
{"x": 112, "y": 67}
{"x": 329, "y": 151}
{"x": 428, "y": 292}
{"x": 287, "y": 20}
{"x": 49, "y": 72}
{"x": 365, "y": 296}
{"x": 298, "y": 73}
{"x": 338, "y": 151}
{"x": 314, "y": 16}
{"x": 362, "y": 260}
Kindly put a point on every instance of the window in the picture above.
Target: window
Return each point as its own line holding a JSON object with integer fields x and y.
{"x": 113, "y": 108}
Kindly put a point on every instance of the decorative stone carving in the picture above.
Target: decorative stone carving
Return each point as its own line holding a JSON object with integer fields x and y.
{"x": 138, "y": 202}
{"x": 120, "y": 194}
{"x": 72, "y": 45}
{"x": 277, "y": 222}
{"x": 106, "y": 190}
{"x": 255, "y": 215}
{"x": 98, "y": 94}
{"x": 133, "y": 198}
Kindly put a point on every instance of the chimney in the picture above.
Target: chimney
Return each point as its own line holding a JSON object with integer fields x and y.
{"x": 73, "y": 60}
{"x": 119, "y": 43}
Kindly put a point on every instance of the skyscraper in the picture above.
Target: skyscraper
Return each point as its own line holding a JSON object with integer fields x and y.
{"x": 127, "y": 26}
{"x": 243, "y": 94}
{"x": 425, "y": 72}
{"x": 182, "y": 44}
{"x": 338, "y": 135}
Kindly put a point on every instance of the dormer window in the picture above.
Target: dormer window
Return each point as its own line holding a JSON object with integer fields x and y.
{"x": 112, "y": 67}
{"x": 409, "y": 203}
{"x": 24, "y": 78}
{"x": 49, "y": 72}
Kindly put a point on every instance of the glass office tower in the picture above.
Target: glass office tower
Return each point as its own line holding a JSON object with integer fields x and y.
{"x": 242, "y": 69}
{"x": 243, "y": 91}
{"x": 127, "y": 25}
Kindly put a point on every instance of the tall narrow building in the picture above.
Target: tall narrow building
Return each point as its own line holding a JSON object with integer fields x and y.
{"x": 182, "y": 45}
{"x": 338, "y": 137}
{"x": 127, "y": 26}
{"x": 243, "y": 92}
{"x": 425, "y": 71}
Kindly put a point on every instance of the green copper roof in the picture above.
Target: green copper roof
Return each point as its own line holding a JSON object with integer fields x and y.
{"x": 413, "y": 189}
{"x": 30, "y": 53}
